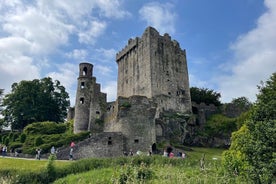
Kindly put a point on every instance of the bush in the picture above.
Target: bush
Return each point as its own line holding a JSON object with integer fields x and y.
{"x": 45, "y": 128}
{"x": 15, "y": 145}
{"x": 220, "y": 125}
{"x": 38, "y": 141}
{"x": 23, "y": 138}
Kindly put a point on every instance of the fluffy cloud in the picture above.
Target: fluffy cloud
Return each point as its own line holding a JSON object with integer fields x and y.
{"x": 67, "y": 75}
{"x": 160, "y": 16}
{"x": 254, "y": 58}
{"x": 33, "y": 32}
{"x": 77, "y": 54}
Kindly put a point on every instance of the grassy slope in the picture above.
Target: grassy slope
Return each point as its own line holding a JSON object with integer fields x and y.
{"x": 188, "y": 172}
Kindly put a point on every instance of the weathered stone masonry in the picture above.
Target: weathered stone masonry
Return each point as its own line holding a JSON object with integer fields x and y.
{"x": 152, "y": 81}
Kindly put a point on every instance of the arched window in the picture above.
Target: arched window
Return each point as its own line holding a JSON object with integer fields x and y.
{"x": 81, "y": 100}
{"x": 84, "y": 71}
{"x": 82, "y": 85}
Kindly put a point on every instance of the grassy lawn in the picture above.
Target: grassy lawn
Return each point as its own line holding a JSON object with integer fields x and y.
{"x": 137, "y": 169}
{"x": 27, "y": 164}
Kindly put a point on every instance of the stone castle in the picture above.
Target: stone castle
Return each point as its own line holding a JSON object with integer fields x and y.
{"x": 153, "y": 99}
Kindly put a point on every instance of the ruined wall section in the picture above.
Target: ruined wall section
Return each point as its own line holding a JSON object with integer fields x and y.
{"x": 134, "y": 117}
{"x": 107, "y": 144}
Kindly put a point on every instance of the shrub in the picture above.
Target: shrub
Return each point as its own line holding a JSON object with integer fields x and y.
{"x": 15, "y": 145}
{"x": 38, "y": 141}
{"x": 7, "y": 141}
{"x": 45, "y": 128}
{"x": 23, "y": 138}
{"x": 50, "y": 169}
{"x": 220, "y": 125}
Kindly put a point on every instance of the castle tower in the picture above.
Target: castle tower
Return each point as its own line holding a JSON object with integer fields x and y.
{"x": 156, "y": 67}
{"x": 90, "y": 102}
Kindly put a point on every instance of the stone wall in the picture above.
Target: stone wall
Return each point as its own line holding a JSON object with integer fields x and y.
{"x": 155, "y": 66}
{"x": 135, "y": 118}
{"x": 107, "y": 144}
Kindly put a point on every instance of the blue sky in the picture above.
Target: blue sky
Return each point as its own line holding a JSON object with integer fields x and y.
{"x": 230, "y": 45}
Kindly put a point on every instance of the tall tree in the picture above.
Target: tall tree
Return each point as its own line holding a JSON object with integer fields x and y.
{"x": 205, "y": 95}
{"x": 35, "y": 101}
{"x": 254, "y": 145}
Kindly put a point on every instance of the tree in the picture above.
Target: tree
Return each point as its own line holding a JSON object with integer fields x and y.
{"x": 256, "y": 144}
{"x": 35, "y": 101}
{"x": 205, "y": 95}
{"x": 242, "y": 102}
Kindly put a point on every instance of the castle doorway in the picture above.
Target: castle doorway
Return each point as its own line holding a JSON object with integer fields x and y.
{"x": 154, "y": 148}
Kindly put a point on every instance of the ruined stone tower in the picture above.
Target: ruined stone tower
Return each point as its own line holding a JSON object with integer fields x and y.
{"x": 90, "y": 102}
{"x": 155, "y": 66}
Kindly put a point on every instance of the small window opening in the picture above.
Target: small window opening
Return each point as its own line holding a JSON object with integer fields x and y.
{"x": 97, "y": 112}
{"x": 169, "y": 93}
{"x": 81, "y": 100}
{"x": 84, "y": 72}
{"x": 109, "y": 141}
{"x": 82, "y": 85}
{"x": 136, "y": 141}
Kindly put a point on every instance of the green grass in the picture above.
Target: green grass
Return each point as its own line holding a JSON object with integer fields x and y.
{"x": 137, "y": 169}
{"x": 27, "y": 165}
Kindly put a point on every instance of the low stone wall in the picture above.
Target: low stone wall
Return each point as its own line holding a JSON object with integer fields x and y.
{"x": 106, "y": 144}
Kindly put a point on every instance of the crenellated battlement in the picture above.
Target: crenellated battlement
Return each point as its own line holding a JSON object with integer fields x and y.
{"x": 131, "y": 44}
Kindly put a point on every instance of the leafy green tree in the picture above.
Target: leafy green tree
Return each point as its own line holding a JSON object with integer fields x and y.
{"x": 35, "y": 101}
{"x": 255, "y": 141}
{"x": 205, "y": 95}
{"x": 242, "y": 102}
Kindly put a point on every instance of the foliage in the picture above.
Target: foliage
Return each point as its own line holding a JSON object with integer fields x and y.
{"x": 38, "y": 141}
{"x": 256, "y": 139}
{"x": 207, "y": 96}
{"x": 45, "y": 128}
{"x": 141, "y": 169}
{"x": 23, "y": 137}
{"x": 125, "y": 105}
{"x": 133, "y": 174}
{"x": 15, "y": 145}
{"x": 220, "y": 125}
{"x": 242, "y": 102}
{"x": 35, "y": 101}
{"x": 50, "y": 168}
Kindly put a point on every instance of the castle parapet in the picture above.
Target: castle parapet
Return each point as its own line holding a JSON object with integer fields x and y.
{"x": 131, "y": 44}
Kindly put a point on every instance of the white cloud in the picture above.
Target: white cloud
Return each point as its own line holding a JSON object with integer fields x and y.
{"x": 160, "y": 16}
{"x": 67, "y": 75}
{"x": 34, "y": 31}
{"x": 93, "y": 31}
{"x": 195, "y": 82}
{"x": 103, "y": 70}
{"x": 77, "y": 54}
{"x": 254, "y": 58}
{"x": 111, "y": 90}
{"x": 106, "y": 55}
